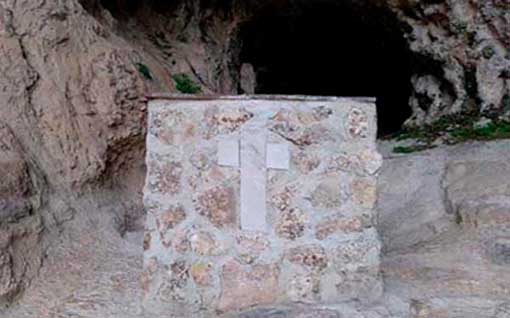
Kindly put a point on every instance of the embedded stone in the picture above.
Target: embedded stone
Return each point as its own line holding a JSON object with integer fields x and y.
{"x": 364, "y": 192}
{"x": 180, "y": 241}
{"x": 225, "y": 121}
{"x": 171, "y": 291}
{"x": 218, "y": 205}
{"x": 328, "y": 195}
{"x": 231, "y": 120}
{"x": 291, "y": 224}
{"x": 302, "y": 136}
{"x": 343, "y": 162}
{"x": 338, "y": 225}
{"x": 371, "y": 161}
{"x": 322, "y": 112}
{"x": 282, "y": 200}
{"x": 300, "y": 284}
{"x": 169, "y": 218}
{"x": 243, "y": 287}
{"x": 312, "y": 256}
{"x": 354, "y": 254}
{"x": 150, "y": 269}
{"x": 168, "y": 178}
{"x": 152, "y": 265}
{"x": 203, "y": 243}
{"x": 166, "y": 136}
{"x": 200, "y": 160}
{"x": 215, "y": 174}
{"x": 305, "y": 161}
{"x": 180, "y": 272}
{"x": 172, "y": 127}
{"x": 250, "y": 246}
{"x": 201, "y": 273}
{"x": 173, "y": 287}
{"x": 297, "y": 117}
{"x": 159, "y": 130}
{"x": 207, "y": 178}
{"x": 357, "y": 123}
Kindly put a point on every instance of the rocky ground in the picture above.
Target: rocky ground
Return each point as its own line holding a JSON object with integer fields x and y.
{"x": 444, "y": 216}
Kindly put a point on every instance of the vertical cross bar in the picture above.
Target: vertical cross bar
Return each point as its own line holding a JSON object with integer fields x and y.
{"x": 253, "y": 178}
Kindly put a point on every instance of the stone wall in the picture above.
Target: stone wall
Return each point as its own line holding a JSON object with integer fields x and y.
{"x": 311, "y": 240}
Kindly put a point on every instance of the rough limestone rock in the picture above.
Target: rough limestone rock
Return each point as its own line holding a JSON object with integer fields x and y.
{"x": 459, "y": 49}
{"x": 464, "y": 46}
{"x": 71, "y": 137}
{"x": 20, "y": 229}
{"x": 444, "y": 217}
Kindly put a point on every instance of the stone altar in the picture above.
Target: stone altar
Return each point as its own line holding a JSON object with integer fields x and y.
{"x": 259, "y": 201}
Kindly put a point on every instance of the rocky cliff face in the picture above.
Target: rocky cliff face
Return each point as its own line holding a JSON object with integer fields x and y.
{"x": 72, "y": 111}
{"x": 71, "y": 127}
{"x": 464, "y": 49}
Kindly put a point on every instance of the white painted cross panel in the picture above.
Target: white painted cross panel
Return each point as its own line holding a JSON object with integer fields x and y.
{"x": 228, "y": 152}
{"x": 278, "y": 156}
{"x": 256, "y": 156}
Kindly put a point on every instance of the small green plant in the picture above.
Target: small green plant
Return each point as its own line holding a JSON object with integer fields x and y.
{"x": 184, "y": 84}
{"x": 144, "y": 70}
{"x": 493, "y": 130}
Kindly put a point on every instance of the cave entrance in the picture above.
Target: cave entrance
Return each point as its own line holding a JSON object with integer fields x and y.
{"x": 332, "y": 48}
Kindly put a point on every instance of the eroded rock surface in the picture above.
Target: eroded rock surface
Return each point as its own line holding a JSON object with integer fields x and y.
{"x": 71, "y": 127}
{"x": 444, "y": 217}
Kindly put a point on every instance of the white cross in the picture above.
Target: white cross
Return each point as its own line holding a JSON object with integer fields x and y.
{"x": 254, "y": 156}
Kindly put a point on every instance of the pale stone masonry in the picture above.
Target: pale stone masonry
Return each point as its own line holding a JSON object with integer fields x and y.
{"x": 260, "y": 201}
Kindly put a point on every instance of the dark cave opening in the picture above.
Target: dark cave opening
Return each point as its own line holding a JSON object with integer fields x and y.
{"x": 332, "y": 49}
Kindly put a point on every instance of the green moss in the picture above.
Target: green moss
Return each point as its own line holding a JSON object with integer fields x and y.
{"x": 144, "y": 70}
{"x": 184, "y": 84}
{"x": 488, "y": 52}
{"x": 459, "y": 27}
{"x": 499, "y": 129}
{"x": 411, "y": 149}
{"x": 452, "y": 129}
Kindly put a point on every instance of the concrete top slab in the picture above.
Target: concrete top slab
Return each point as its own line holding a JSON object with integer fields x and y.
{"x": 169, "y": 96}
